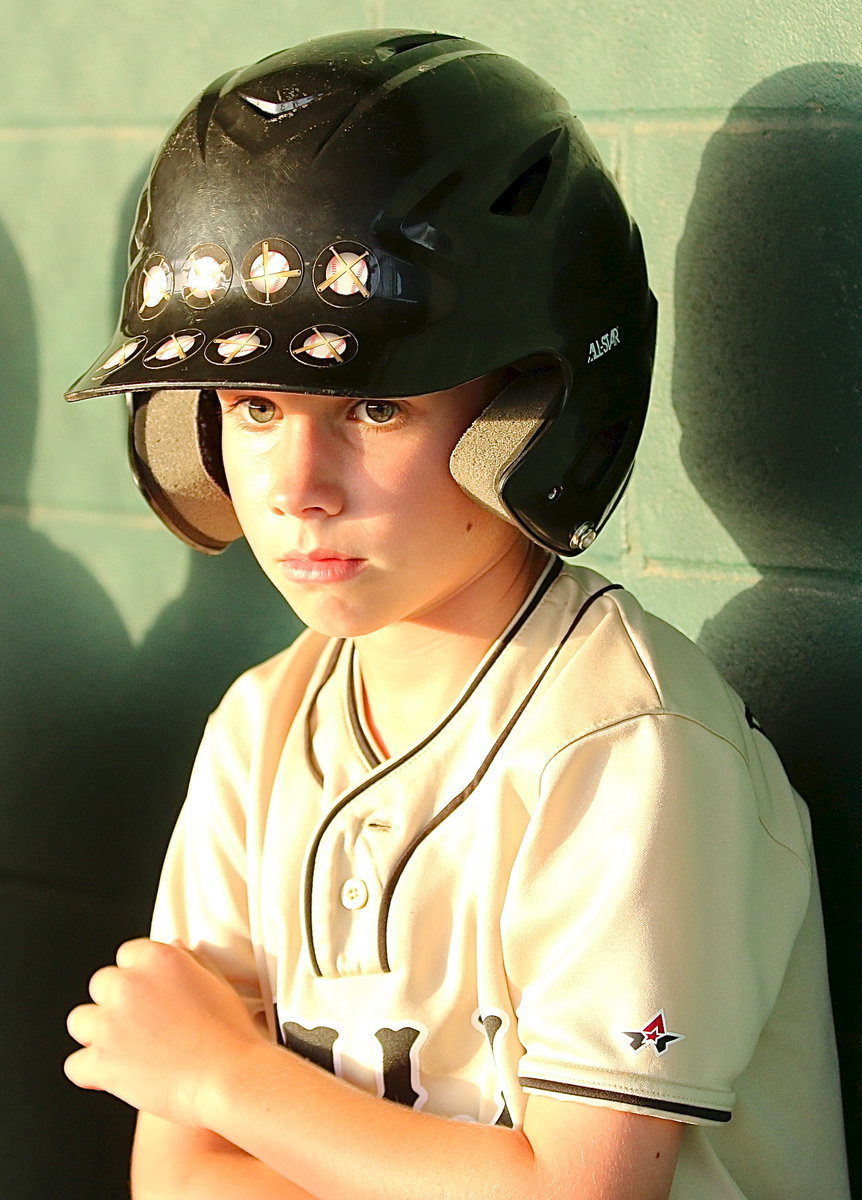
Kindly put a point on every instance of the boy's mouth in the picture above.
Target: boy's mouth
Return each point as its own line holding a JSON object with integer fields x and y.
{"x": 320, "y": 566}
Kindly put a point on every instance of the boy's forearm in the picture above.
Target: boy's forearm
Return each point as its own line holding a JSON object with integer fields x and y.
{"x": 338, "y": 1142}
{"x": 170, "y": 1162}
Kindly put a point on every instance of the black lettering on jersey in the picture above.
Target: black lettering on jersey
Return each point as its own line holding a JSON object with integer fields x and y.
{"x": 317, "y": 1045}
{"x": 400, "y": 1065}
{"x": 492, "y": 1023}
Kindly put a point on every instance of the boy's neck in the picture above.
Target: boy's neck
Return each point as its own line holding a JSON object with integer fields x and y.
{"x": 413, "y": 672}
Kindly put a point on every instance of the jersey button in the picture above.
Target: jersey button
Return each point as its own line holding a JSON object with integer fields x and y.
{"x": 354, "y": 894}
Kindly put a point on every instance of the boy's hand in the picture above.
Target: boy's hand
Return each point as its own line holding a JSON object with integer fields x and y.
{"x": 161, "y": 1028}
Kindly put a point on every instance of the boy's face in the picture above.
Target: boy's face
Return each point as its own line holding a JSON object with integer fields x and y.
{"x": 350, "y": 508}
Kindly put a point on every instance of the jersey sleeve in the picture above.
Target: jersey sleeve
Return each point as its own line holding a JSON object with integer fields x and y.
{"x": 213, "y": 861}
{"x": 203, "y": 897}
{"x": 651, "y": 915}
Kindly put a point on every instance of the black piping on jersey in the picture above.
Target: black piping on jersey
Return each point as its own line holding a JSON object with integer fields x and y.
{"x": 455, "y": 803}
{"x": 508, "y": 636}
{"x": 435, "y": 822}
{"x": 309, "y": 741}
{"x": 368, "y": 750}
{"x": 651, "y": 1103}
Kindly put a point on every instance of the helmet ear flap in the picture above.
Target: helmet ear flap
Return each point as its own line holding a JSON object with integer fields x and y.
{"x": 175, "y": 453}
{"x": 500, "y": 434}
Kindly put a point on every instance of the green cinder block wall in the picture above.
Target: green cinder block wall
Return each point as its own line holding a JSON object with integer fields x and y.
{"x": 736, "y": 134}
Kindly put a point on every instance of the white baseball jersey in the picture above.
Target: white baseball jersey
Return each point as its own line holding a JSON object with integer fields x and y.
{"x": 591, "y": 880}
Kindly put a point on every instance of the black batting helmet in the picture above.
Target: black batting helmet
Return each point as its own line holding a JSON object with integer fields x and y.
{"x": 378, "y": 214}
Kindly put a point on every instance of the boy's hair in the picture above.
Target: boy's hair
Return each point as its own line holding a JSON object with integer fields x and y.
{"x": 387, "y": 213}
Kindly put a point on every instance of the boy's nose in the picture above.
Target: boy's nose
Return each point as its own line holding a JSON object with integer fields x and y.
{"x": 305, "y": 471}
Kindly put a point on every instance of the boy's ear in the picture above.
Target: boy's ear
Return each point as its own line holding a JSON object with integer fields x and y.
{"x": 500, "y": 434}
{"x": 175, "y": 450}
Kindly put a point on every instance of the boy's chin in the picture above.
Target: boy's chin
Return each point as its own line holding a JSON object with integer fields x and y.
{"x": 330, "y": 620}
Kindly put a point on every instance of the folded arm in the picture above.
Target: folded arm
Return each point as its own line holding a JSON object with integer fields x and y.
{"x": 234, "y": 1115}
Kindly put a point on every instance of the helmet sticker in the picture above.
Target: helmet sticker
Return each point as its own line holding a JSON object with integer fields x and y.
{"x": 238, "y": 345}
{"x": 345, "y": 274}
{"x": 271, "y": 271}
{"x": 206, "y": 276}
{"x": 157, "y": 284}
{"x": 323, "y": 346}
{"x": 277, "y": 108}
{"x": 176, "y": 348}
{"x": 120, "y": 357}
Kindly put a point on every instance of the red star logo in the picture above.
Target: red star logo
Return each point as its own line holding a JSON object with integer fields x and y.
{"x": 654, "y": 1033}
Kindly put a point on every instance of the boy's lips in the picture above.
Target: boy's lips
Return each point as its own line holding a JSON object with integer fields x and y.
{"x": 320, "y": 566}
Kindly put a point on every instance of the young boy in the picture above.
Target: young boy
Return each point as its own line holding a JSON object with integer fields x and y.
{"x": 488, "y": 841}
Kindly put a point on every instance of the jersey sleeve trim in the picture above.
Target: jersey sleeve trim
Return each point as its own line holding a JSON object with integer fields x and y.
{"x": 690, "y": 1112}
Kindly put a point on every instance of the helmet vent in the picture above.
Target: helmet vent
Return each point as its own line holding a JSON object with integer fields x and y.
{"x": 410, "y": 41}
{"x": 418, "y": 224}
{"x": 206, "y": 108}
{"x": 522, "y": 194}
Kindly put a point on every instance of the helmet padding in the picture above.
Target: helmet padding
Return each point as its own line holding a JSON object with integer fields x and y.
{"x": 176, "y": 456}
{"x": 500, "y": 435}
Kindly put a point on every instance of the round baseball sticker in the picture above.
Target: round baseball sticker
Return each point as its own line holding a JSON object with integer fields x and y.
{"x": 157, "y": 284}
{"x": 271, "y": 271}
{"x": 345, "y": 274}
{"x": 238, "y": 345}
{"x": 206, "y": 276}
{"x": 120, "y": 357}
{"x": 324, "y": 346}
{"x": 176, "y": 348}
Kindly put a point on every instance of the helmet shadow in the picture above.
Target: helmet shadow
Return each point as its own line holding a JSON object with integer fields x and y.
{"x": 766, "y": 385}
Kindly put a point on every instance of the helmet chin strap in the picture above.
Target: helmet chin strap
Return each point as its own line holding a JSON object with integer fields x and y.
{"x": 500, "y": 434}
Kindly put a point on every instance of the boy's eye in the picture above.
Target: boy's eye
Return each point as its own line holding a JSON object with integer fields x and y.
{"x": 259, "y": 410}
{"x": 376, "y": 412}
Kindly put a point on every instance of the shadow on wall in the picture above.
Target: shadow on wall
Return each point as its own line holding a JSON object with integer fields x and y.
{"x": 67, "y": 812}
{"x": 96, "y": 741}
{"x": 768, "y": 389}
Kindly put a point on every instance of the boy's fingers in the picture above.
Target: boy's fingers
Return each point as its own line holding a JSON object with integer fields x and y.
{"x": 77, "y": 1071}
{"x": 100, "y": 984}
{"x": 130, "y": 952}
{"x": 80, "y": 1024}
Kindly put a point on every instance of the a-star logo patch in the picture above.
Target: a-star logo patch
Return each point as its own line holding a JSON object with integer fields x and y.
{"x": 655, "y": 1033}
